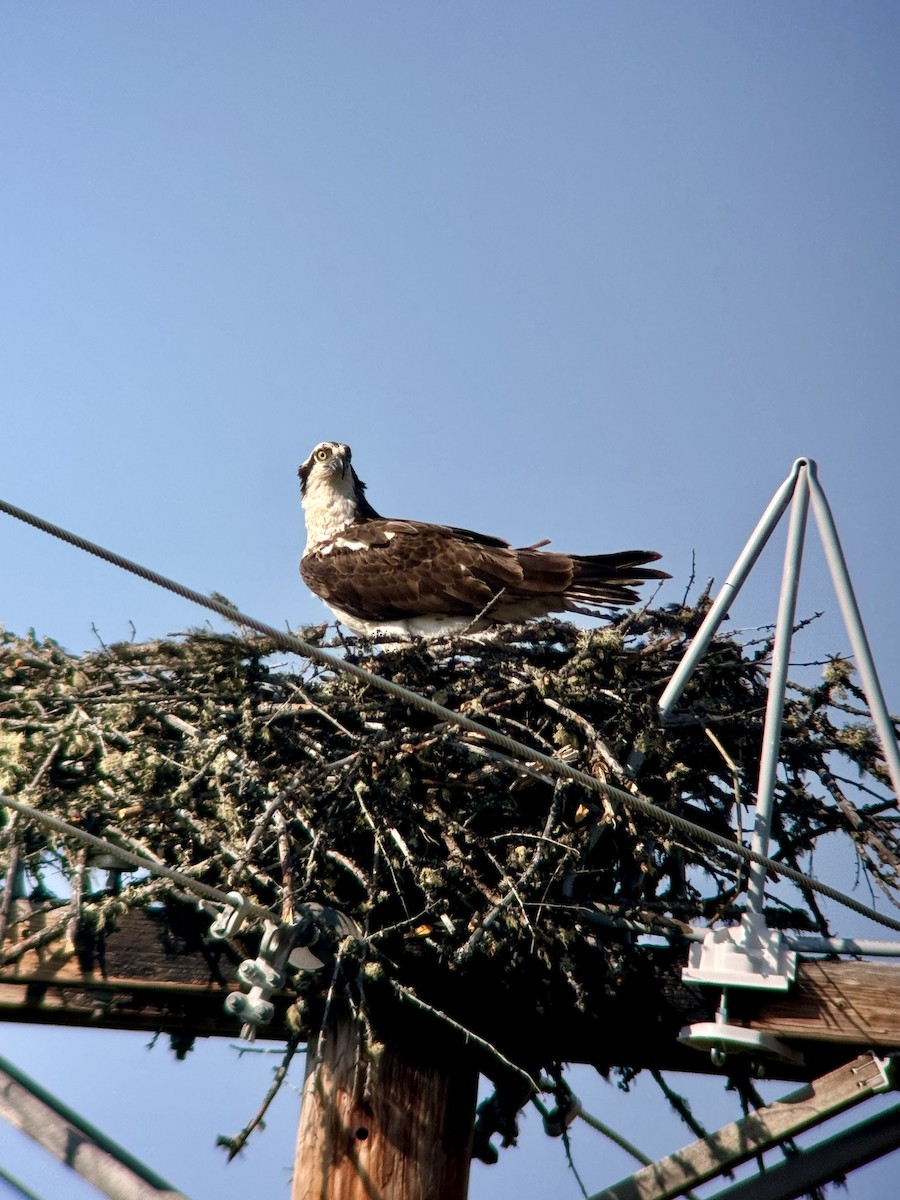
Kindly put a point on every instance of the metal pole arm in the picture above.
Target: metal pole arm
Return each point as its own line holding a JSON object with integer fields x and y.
{"x": 865, "y": 664}
{"x": 729, "y": 590}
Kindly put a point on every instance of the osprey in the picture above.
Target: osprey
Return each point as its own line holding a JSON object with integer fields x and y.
{"x": 414, "y": 579}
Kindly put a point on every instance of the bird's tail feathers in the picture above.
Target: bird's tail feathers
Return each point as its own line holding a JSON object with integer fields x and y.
{"x": 625, "y": 565}
{"x": 610, "y": 578}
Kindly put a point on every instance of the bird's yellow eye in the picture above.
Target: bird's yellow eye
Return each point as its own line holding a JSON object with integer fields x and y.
{"x": 322, "y": 455}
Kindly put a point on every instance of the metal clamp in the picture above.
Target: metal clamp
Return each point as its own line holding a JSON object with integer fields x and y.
{"x": 262, "y": 976}
{"x": 560, "y": 1117}
{"x": 749, "y": 955}
{"x": 885, "y": 1069}
{"x": 722, "y": 1040}
{"x": 283, "y": 948}
{"x": 230, "y": 920}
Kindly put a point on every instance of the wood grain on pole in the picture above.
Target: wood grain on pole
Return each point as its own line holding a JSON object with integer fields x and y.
{"x": 382, "y": 1124}
{"x": 840, "y": 1002}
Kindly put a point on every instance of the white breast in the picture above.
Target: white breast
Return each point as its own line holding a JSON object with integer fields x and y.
{"x": 328, "y": 510}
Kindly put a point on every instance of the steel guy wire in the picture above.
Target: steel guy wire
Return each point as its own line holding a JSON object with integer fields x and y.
{"x": 289, "y": 642}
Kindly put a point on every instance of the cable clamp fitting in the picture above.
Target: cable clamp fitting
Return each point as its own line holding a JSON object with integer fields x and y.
{"x": 746, "y": 955}
{"x": 304, "y": 946}
{"x": 559, "y": 1118}
{"x": 229, "y": 921}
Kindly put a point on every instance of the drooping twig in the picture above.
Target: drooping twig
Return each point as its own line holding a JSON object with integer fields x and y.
{"x": 234, "y": 1145}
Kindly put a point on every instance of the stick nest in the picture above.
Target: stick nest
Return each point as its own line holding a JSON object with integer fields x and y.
{"x": 481, "y": 885}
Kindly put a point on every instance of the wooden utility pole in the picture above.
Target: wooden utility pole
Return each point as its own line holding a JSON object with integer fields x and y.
{"x": 383, "y": 1122}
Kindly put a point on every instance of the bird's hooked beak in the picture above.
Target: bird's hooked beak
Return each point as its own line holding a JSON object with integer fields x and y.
{"x": 342, "y": 460}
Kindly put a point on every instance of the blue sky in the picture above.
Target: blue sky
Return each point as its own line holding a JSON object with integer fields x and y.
{"x": 590, "y": 271}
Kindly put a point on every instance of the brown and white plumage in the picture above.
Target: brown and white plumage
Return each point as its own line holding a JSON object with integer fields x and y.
{"x": 411, "y": 578}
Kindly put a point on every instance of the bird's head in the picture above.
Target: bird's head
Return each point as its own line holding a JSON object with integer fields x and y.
{"x": 327, "y": 480}
{"x": 327, "y": 466}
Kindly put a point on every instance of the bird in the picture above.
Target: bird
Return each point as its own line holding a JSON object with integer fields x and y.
{"x": 408, "y": 579}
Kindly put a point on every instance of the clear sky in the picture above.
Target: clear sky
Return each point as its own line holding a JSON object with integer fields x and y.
{"x": 594, "y": 271}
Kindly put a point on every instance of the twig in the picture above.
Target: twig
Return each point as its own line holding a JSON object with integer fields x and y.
{"x": 294, "y": 787}
{"x": 488, "y": 608}
{"x": 379, "y": 844}
{"x": 408, "y": 994}
{"x": 48, "y": 934}
{"x": 287, "y": 868}
{"x": 691, "y": 579}
{"x": 567, "y": 1143}
{"x": 612, "y": 764}
{"x": 681, "y": 1106}
{"x": 235, "y": 1145}
{"x": 12, "y": 873}
{"x": 77, "y": 884}
{"x": 497, "y": 756}
{"x": 323, "y": 712}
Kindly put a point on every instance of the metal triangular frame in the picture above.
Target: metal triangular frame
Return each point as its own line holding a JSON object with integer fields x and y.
{"x": 800, "y": 487}
{"x": 749, "y": 954}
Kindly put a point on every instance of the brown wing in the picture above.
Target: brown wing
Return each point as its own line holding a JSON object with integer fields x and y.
{"x": 386, "y": 570}
{"x": 570, "y": 579}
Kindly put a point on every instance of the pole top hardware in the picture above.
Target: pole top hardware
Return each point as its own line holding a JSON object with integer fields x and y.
{"x": 749, "y": 955}
{"x": 724, "y": 1040}
{"x": 229, "y": 920}
{"x": 885, "y": 1068}
{"x": 302, "y": 946}
{"x": 745, "y": 955}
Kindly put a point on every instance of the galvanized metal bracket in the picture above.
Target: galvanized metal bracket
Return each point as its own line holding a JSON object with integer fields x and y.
{"x": 723, "y": 1040}
{"x": 747, "y": 955}
{"x": 884, "y": 1067}
{"x": 302, "y": 946}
